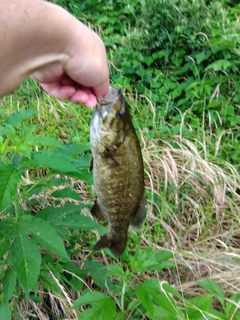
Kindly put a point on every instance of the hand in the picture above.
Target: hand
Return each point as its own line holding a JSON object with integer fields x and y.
{"x": 80, "y": 76}
{"x": 43, "y": 40}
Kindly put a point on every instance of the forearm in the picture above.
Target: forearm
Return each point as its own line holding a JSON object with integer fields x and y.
{"x": 33, "y": 35}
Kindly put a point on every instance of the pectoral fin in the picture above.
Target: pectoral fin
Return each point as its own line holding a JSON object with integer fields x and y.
{"x": 108, "y": 154}
{"x": 90, "y": 169}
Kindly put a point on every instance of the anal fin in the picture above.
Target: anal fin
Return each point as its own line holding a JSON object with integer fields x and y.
{"x": 138, "y": 219}
{"x": 97, "y": 212}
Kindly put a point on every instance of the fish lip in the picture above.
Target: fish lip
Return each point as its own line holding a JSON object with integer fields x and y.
{"x": 110, "y": 97}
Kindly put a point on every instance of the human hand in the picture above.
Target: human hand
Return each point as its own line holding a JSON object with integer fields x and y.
{"x": 61, "y": 53}
{"x": 81, "y": 73}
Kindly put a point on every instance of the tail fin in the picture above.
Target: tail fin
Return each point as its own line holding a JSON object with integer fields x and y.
{"x": 117, "y": 246}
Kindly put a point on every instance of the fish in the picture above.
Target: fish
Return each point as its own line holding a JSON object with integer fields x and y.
{"x": 118, "y": 171}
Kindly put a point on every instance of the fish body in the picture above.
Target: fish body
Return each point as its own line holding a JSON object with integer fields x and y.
{"x": 118, "y": 171}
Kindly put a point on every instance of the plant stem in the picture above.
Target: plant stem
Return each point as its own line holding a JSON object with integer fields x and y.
{"x": 122, "y": 296}
{"x": 16, "y": 205}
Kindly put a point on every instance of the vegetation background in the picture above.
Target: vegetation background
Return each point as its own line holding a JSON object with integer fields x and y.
{"x": 178, "y": 63}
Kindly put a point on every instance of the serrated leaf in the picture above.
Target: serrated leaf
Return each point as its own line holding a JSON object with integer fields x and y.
{"x": 66, "y": 193}
{"x": 26, "y": 130}
{"x": 25, "y": 150}
{"x": 7, "y": 227}
{"x": 114, "y": 269}
{"x": 84, "y": 161}
{"x": 10, "y": 178}
{"x": 5, "y": 311}
{"x": 149, "y": 260}
{"x": 219, "y": 65}
{"x": 44, "y": 141}
{"x": 79, "y": 222}
{"x": 43, "y": 234}
{"x": 54, "y": 160}
{"x": 17, "y": 117}
{"x": 82, "y": 174}
{"x": 103, "y": 306}
{"x": 54, "y": 215}
{"x": 75, "y": 149}
{"x": 26, "y": 260}
{"x": 9, "y": 284}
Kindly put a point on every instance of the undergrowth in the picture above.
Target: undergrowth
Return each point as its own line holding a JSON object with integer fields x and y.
{"x": 178, "y": 63}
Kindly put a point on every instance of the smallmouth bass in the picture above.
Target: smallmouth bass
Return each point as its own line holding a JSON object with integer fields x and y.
{"x": 118, "y": 171}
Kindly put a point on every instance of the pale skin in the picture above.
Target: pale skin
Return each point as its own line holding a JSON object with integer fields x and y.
{"x": 42, "y": 40}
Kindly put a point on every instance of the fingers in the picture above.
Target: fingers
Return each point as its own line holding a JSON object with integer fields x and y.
{"x": 89, "y": 66}
{"x": 72, "y": 93}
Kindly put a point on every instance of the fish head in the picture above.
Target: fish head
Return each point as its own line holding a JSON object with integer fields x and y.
{"x": 113, "y": 115}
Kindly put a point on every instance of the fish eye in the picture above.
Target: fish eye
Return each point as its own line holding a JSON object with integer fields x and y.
{"x": 121, "y": 114}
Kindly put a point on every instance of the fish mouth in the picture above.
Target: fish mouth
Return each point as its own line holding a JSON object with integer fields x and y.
{"x": 111, "y": 96}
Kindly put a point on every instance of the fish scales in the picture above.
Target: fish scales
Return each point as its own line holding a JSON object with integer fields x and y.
{"x": 117, "y": 171}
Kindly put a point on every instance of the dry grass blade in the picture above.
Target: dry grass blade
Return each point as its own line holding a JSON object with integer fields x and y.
{"x": 203, "y": 231}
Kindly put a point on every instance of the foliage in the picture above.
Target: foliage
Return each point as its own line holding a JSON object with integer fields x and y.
{"x": 182, "y": 57}
{"x": 21, "y": 230}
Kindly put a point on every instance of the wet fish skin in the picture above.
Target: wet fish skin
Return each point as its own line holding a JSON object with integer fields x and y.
{"x": 117, "y": 171}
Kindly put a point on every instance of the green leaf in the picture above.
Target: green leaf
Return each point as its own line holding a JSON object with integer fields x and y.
{"x": 145, "y": 299}
{"x": 79, "y": 222}
{"x": 155, "y": 301}
{"x": 103, "y": 306}
{"x": 26, "y": 130}
{"x": 48, "y": 282}
{"x": 115, "y": 269}
{"x": 26, "y": 261}
{"x": 233, "y": 305}
{"x": 44, "y": 141}
{"x": 75, "y": 149}
{"x": 54, "y": 160}
{"x": 5, "y": 311}
{"x": 219, "y": 65}
{"x": 84, "y": 161}
{"x": 43, "y": 234}
{"x": 215, "y": 314}
{"x": 99, "y": 274}
{"x": 169, "y": 289}
{"x": 7, "y": 227}
{"x": 149, "y": 260}
{"x": 17, "y": 117}
{"x": 213, "y": 288}
{"x": 9, "y": 284}
{"x": 66, "y": 193}
{"x": 200, "y": 57}
{"x": 198, "y": 305}
{"x": 10, "y": 178}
